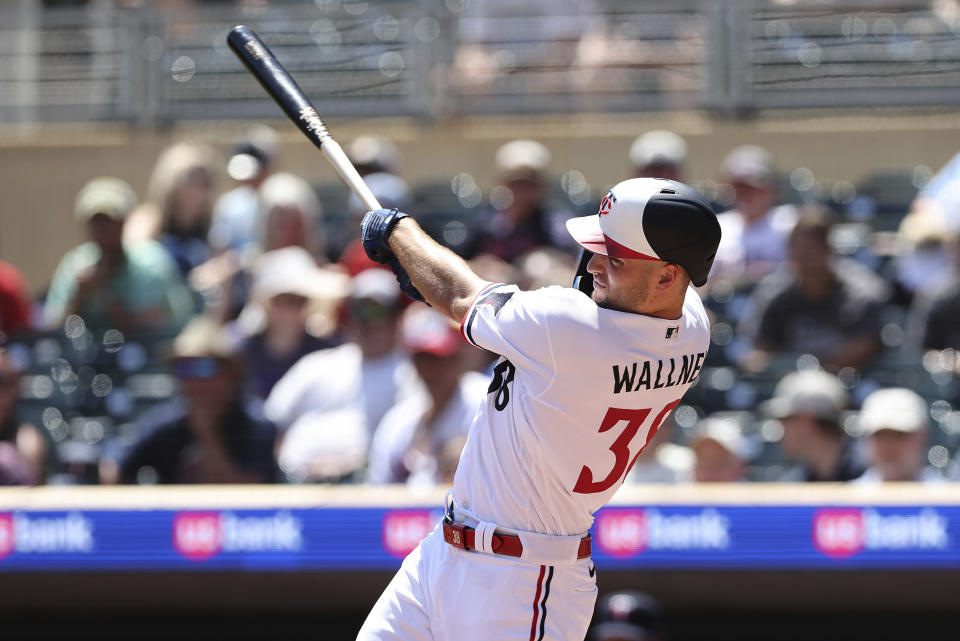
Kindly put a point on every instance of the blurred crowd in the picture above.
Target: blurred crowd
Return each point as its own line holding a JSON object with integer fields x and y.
{"x": 235, "y": 332}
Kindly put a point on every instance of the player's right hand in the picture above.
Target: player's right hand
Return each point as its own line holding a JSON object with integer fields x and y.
{"x": 374, "y": 231}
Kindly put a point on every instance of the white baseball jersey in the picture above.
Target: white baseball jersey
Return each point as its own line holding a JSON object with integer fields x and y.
{"x": 577, "y": 394}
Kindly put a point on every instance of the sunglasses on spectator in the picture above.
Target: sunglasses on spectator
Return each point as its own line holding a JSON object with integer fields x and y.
{"x": 370, "y": 312}
{"x": 202, "y": 368}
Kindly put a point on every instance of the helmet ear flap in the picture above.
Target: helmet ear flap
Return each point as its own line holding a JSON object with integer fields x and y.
{"x": 582, "y": 280}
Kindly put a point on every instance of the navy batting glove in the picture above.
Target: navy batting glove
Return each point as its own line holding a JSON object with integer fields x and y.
{"x": 404, "y": 280}
{"x": 374, "y": 231}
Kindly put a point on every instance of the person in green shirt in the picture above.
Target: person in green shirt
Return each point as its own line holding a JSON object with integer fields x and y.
{"x": 133, "y": 288}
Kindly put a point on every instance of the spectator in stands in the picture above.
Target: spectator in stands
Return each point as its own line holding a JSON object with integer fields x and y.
{"x": 294, "y": 216}
{"x": 211, "y": 433}
{"x": 109, "y": 283}
{"x": 755, "y": 230}
{"x": 818, "y": 304}
{"x": 720, "y": 450}
{"x": 293, "y": 219}
{"x": 289, "y": 290}
{"x": 895, "y": 422}
{"x": 933, "y": 321}
{"x": 355, "y": 384}
{"x": 23, "y": 448}
{"x": 926, "y": 258}
{"x": 238, "y": 214}
{"x": 627, "y": 616}
{"x": 178, "y": 205}
{"x": 16, "y": 305}
{"x": 809, "y": 405}
{"x": 522, "y": 219}
{"x": 420, "y": 439}
{"x": 377, "y": 160}
{"x": 658, "y": 154}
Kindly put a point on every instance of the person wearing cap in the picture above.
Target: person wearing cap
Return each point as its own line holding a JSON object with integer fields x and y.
{"x": 418, "y": 442}
{"x": 523, "y": 219}
{"x": 238, "y": 214}
{"x": 627, "y": 615}
{"x": 210, "y": 433}
{"x": 658, "y": 154}
{"x": 896, "y": 423}
{"x": 584, "y": 380}
{"x": 819, "y": 303}
{"x": 755, "y": 229}
{"x": 809, "y": 406}
{"x": 111, "y": 284}
{"x": 368, "y": 374}
{"x": 288, "y": 288}
{"x": 927, "y": 255}
{"x": 933, "y": 319}
{"x": 720, "y": 450}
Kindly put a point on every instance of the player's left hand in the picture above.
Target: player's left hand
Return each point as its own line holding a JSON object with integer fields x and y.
{"x": 403, "y": 279}
{"x": 374, "y": 231}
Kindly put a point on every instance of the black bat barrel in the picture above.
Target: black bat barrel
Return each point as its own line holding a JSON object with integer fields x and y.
{"x": 277, "y": 82}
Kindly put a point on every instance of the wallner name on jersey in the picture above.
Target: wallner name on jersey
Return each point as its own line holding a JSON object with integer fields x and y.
{"x": 578, "y": 393}
{"x": 673, "y": 372}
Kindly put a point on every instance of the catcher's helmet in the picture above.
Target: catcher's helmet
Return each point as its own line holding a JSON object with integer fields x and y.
{"x": 654, "y": 219}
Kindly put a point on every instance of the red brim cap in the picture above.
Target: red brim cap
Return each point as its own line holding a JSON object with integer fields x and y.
{"x": 446, "y": 343}
{"x": 587, "y": 232}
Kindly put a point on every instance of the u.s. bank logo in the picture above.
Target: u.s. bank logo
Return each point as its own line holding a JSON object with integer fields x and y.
{"x": 673, "y": 332}
{"x": 607, "y": 203}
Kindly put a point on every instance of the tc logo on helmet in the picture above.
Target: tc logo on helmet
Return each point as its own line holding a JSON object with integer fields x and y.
{"x": 607, "y": 203}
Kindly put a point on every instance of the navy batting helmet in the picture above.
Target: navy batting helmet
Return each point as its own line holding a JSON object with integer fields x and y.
{"x": 653, "y": 219}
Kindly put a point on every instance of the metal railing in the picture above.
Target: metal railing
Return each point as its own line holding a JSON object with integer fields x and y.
{"x": 151, "y": 65}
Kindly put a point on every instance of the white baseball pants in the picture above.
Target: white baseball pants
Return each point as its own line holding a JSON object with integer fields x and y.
{"x": 443, "y": 593}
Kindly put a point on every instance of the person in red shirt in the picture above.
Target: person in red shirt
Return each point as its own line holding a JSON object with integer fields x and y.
{"x": 15, "y": 301}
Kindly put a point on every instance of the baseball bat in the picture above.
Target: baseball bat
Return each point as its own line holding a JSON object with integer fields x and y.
{"x": 265, "y": 67}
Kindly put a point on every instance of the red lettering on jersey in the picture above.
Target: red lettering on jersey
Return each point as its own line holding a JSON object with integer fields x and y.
{"x": 197, "y": 535}
{"x": 839, "y": 533}
{"x": 621, "y": 446}
{"x": 404, "y": 529}
{"x": 622, "y": 533}
{"x": 6, "y": 535}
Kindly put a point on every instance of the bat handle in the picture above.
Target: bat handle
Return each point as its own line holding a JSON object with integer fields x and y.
{"x": 338, "y": 158}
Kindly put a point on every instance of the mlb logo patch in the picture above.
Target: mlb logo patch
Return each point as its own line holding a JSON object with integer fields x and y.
{"x": 672, "y": 332}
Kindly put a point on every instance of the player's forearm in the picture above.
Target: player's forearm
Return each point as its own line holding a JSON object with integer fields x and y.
{"x": 444, "y": 279}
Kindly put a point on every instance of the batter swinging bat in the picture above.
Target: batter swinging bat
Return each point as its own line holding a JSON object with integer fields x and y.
{"x": 265, "y": 68}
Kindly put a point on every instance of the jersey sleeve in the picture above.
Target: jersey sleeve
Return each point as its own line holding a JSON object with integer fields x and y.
{"x": 516, "y": 325}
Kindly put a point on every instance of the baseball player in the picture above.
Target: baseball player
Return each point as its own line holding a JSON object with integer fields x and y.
{"x": 582, "y": 384}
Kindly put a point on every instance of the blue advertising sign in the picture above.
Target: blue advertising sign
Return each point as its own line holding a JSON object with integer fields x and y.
{"x": 666, "y": 537}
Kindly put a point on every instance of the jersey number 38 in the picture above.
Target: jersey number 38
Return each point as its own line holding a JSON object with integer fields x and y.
{"x": 633, "y": 419}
